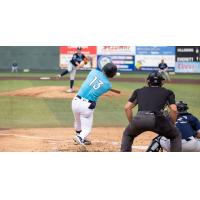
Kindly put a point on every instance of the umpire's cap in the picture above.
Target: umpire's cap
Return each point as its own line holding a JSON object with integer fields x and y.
{"x": 155, "y": 79}
{"x": 110, "y": 70}
{"x": 181, "y": 106}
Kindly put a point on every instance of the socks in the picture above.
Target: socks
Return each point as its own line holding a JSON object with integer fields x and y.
{"x": 78, "y": 132}
{"x": 71, "y": 83}
{"x": 65, "y": 72}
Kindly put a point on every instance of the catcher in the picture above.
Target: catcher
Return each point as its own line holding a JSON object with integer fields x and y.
{"x": 188, "y": 125}
{"x": 78, "y": 60}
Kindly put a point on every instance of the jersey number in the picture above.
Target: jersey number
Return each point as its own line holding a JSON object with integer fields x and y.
{"x": 96, "y": 83}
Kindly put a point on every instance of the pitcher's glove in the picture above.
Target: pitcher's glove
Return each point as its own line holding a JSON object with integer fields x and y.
{"x": 85, "y": 60}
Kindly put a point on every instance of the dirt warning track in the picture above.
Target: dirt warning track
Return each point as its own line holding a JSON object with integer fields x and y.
{"x": 139, "y": 80}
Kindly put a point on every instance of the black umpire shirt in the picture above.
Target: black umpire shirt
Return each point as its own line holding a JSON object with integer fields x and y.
{"x": 152, "y": 98}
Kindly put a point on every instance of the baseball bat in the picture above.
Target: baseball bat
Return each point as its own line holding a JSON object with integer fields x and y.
{"x": 115, "y": 91}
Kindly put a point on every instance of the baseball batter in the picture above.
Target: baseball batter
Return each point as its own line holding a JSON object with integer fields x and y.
{"x": 78, "y": 60}
{"x": 188, "y": 125}
{"x": 96, "y": 84}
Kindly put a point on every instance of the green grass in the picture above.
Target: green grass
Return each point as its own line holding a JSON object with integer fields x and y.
{"x": 25, "y": 112}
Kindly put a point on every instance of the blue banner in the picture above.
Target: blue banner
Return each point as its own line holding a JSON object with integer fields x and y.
{"x": 123, "y": 62}
{"x": 155, "y": 50}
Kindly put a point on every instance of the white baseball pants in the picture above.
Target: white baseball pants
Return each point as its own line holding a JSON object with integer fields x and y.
{"x": 165, "y": 74}
{"x": 72, "y": 71}
{"x": 83, "y": 116}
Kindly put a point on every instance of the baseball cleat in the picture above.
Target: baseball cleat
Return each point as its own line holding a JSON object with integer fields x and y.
{"x": 78, "y": 140}
{"x": 70, "y": 90}
{"x": 58, "y": 76}
{"x": 87, "y": 142}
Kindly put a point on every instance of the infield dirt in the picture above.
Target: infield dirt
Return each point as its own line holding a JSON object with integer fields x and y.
{"x": 103, "y": 139}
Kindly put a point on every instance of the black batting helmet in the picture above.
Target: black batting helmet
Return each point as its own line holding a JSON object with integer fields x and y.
{"x": 155, "y": 79}
{"x": 181, "y": 106}
{"x": 110, "y": 70}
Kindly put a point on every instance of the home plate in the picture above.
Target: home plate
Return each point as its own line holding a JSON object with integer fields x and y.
{"x": 133, "y": 147}
{"x": 140, "y": 147}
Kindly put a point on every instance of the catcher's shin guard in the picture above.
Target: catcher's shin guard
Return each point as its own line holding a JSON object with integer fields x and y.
{"x": 155, "y": 145}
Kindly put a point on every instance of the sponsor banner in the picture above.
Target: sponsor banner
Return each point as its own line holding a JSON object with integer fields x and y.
{"x": 188, "y": 54}
{"x": 116, "y": 50}
{"x": 187, "y": 67}
{"x": 72, "y": 49}
{"x": 122, "y": 56}
{"x": 123, "y": 62}
{"x": 155, "y": 50}
{"x": 66, "y": 53}
{"x": 148, "y": 58}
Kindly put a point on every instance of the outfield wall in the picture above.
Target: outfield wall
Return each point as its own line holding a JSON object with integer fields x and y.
{"x": 30, "y": 57}
{"x": 180, "y": 59}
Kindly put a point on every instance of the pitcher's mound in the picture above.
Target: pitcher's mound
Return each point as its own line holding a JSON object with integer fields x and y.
{"x": 47, "y": 92}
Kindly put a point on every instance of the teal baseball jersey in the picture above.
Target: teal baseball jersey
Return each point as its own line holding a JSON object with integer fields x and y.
{"x": 95, "y": 85}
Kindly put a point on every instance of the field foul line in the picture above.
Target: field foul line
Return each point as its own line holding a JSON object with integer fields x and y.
{"x": 30, "y": 137}
{"x": 68, "y": 140}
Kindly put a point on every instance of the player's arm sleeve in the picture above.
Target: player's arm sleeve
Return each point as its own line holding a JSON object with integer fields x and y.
{"x": 195, "y": 123}
{"x": 171, "y": 98}
{"x": 74, "y": 61}
{"x": 83, "y": 62}
{"x": 83, "y": 56}
{"x": 133, "y": 98}
{"x": 109, "y": 88}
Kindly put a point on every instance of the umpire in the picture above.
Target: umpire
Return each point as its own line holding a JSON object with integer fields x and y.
{"x": 151, "y": 102}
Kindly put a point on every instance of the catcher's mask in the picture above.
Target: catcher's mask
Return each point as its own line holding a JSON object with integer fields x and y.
{"x": 155, "y": 79}
{"x": 181, "y": 106}
{"x": 110, "y": 70}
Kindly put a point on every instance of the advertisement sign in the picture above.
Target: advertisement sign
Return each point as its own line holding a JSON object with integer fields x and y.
{"x": 66, "y": 53}
{"x": 187, "y": 67}
{"x": 122, "y": 56}
{"x": 155, "y": 50}
{"x": 188, "y": 54}
{"x": 116, "y": 50}
{"x": 149, "y": 57}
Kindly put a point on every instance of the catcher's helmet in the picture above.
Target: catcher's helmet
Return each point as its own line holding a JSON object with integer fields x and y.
{"x": 155, "y": 79}
{"x": 181, "y": 106}
{"x": 79, "y": 48}
{"x": 110, "y": 70}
